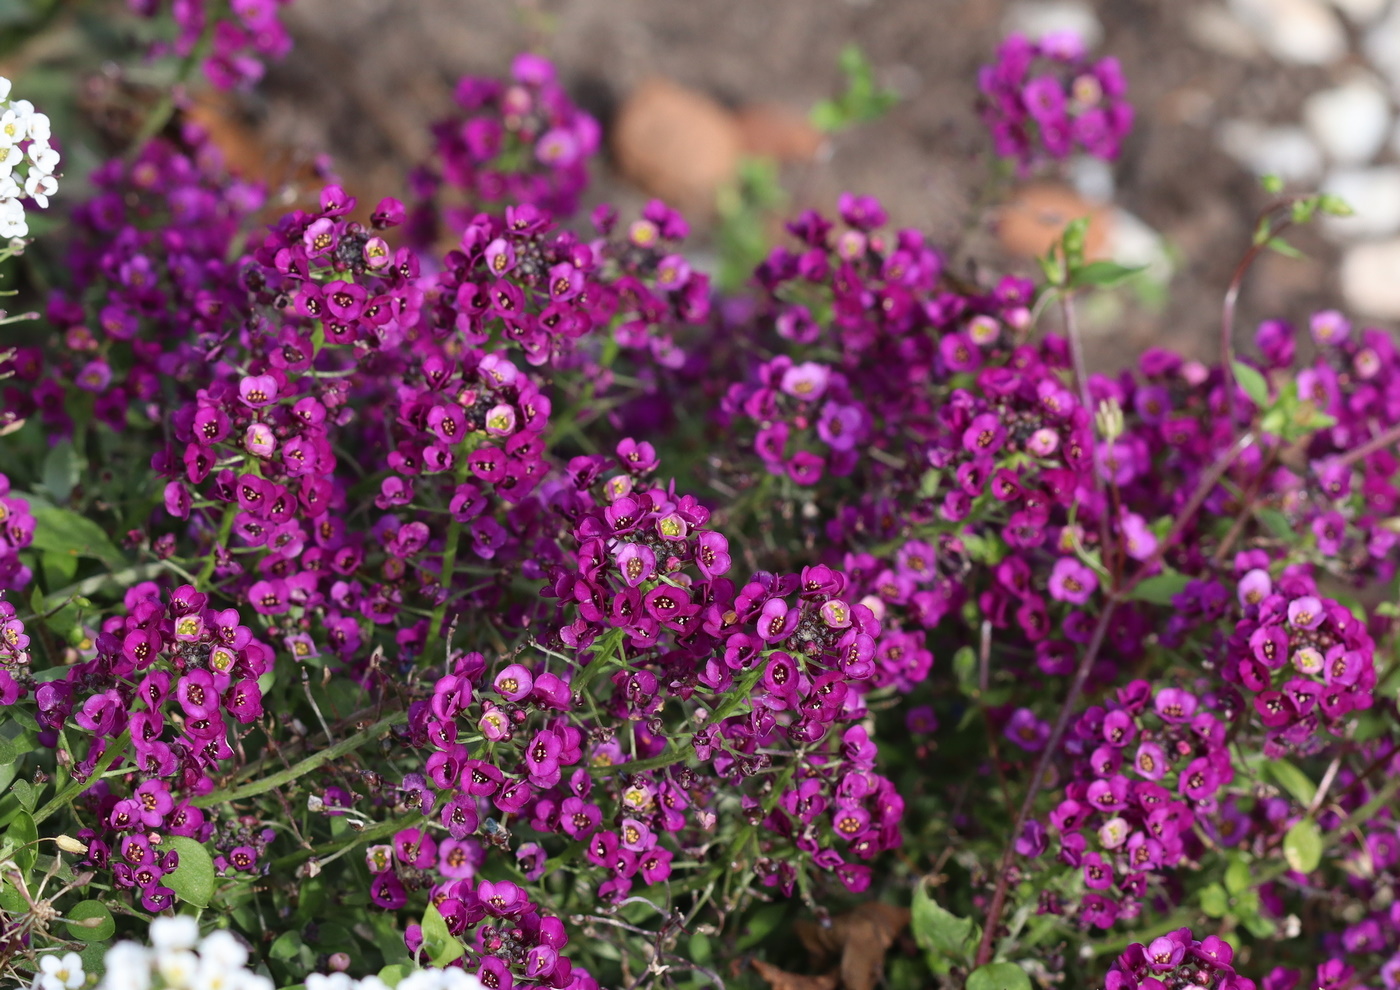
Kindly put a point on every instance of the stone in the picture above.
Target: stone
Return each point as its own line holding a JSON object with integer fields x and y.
{"x": 1370, "y": 276}
{"x": 1382, "y": 47}
{"x": 774, "y": 131}
{"x": 1287, "y": 152}
{"x": 1374, "y": 195}
{"x": 1350, "y": 122}
{"x": 1037, "y": 18}
{"x": 1216, "y": 29}
{"x": 1361, "y": 11}
{"x": 1303, "y": 32}
{"x": 1035, "y": 216}
{"x": 677, "y": 144}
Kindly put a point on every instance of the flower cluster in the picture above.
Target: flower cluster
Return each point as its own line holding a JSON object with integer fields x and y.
{"x": 237, "y": 45}
{"x": 16, "y": 532}
{"x": 1179, "y": 960}
{"x": 1146, "y": 766}
{"x": 521, "y": 140}
{"x": 477, "y": 601}
{"x": 1043, "y": 100}
{"x": 28, "y": 162}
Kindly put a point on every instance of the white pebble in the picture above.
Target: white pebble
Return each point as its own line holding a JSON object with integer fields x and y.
{"x": 1370, "y": 275}
{"x": 1351, "y": 121}
{"x": 1374, "y": 193}
{"x": 1304, "y": 32}
{"x": 1037, "y": 18}
{"x": 1287, "y": 152}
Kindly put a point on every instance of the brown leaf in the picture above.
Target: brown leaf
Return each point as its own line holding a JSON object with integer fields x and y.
{"x": 781, "y": 979}
{"x": 861, "y": 937}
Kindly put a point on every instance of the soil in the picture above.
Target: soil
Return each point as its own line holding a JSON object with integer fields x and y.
{"x": 368, "y": 76}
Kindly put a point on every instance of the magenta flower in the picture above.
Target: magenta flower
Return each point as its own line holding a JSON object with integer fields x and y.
{"x": 257, "y": 391}
{"x": 1071, "y": 581}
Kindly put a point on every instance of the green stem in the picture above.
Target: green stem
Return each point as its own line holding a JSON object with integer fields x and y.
{"x": 449, "y": 558}
{"x": 76, "y": 787}
{"x": 225, "y": 528}
{"x": 307, "y": 765}
{"x": 379, "y": 831}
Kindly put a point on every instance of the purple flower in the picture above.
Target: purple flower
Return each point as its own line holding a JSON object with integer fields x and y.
{"x": 1071, "y": 581}
{"x": 1027, "y": 731}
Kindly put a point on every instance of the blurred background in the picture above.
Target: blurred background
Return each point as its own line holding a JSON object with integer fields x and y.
{"x": 708, "y": 103}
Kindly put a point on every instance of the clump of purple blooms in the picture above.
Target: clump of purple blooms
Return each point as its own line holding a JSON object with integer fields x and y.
{"x": 1045, "y": 100}
{"x": 517, "y": 605}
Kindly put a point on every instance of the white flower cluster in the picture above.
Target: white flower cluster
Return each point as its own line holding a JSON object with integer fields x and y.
{"x": 27, "y": 161}
{"x": 178, "y": 959}
{"x": 423, "y": 979}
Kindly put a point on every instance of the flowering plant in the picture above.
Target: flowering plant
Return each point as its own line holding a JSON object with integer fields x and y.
{"x": 519, "y": 613}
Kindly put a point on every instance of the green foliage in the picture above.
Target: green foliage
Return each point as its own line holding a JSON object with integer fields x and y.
{"x": 862, "y": 101}
{"x": 748, "y": 209}
{"x": 193, "y": 879}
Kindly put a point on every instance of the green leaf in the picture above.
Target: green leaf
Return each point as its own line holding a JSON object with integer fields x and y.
{"x": 286, "y": 947}
{"x": 193, "y": 879}
{"x": 1304, "y": 209}
{"x": 1254, "y": 384}
{"x": 1302, "y": 846}
{"x": 1271, "y": 184}
{"x": 1292, "y": 780}
{"x": 1237, "y": 879}
{"x": 1275, "y": 522}
{"x": 1279, "y": 246}
{"x": 1215, "y": 903}
{"x": 62, "y": 469}
{"x": 439, "y": 943}
{"x": 90, "y": 921}
{"x": 1334, "y": 205}
{"x": 965, "y": 669}
{"x": 1103, "y": 274}
{"x": 395, "y": 972}
{"x": 937, "y": 929}
{"x": 998, "y": 976}
{"x": 24, "y": 834}
{"x": 67, "y": 532}
{"x": 1160, "y": 589}
{"x": 26, "y": 793}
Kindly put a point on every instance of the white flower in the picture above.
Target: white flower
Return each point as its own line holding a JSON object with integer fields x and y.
{"x": 178, "y": 967}
{"x": 252, "y": 981}
{"x": 373, "y": 983}
{"x": 222, "y": 948}
{"x": 329, "y": 981}
{"x": 10, "y": 156}
{"x": 40, "y": 187}
{"x": 128, "y": 967}
{"x": 39, "y": 127}
{"x": 179, "y": 932}
{"x": 43, "y": 157}
{"x": 60, "y": 974}
{"x": 12, "y": 223}
{"x": 12, "y": 125}
{"x": 4, "y": 89}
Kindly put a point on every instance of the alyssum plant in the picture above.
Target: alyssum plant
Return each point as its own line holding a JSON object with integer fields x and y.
{"x": 520, "y": 614}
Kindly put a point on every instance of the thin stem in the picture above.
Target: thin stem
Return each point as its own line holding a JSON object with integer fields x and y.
{"x": 1042, "y": 766}
{"x": 256, "y": 787}
{"x": 1227, "y": 311}
{"x": 1378, "y": 442}
{"x": 1081, "y": 375}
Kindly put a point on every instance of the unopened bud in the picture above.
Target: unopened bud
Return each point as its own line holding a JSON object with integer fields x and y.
{"x": 1109, "y": 420}
{"x": 70, "y": 845}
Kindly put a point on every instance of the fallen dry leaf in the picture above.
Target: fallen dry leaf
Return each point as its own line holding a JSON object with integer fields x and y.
{"x": 781, "y": 979}
{"x": 860, "y": 937}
